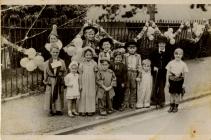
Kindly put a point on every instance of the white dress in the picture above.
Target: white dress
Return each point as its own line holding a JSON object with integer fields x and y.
{"x": 72, "y": 83}
{"x": 144, "y": 90}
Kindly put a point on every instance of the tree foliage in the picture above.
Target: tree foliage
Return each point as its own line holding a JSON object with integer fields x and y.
{"x": 52, "y": 12}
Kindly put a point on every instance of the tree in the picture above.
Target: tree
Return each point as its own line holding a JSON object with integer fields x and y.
{"x": 53, "y": 13}
{"x": 113, "y": 10}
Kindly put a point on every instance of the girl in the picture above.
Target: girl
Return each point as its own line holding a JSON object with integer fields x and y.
{"x": 106, "y": 80}
{"x": 87, "y": 70}
{"x": 54, "y": 71}
{"x": 105, "y": 45}
{"x": 53, "y": 39}
{"x": 89, "y": 34}
{"x": 145, "y": 86}
{"x": 120, "y": 71}
{"x": 176, "y": 71}
{"x": 72, "y": 93}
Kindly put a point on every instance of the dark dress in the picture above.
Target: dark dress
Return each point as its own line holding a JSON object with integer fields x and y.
{"x": 159, "y": 60}
{"x": 121, "y": 74}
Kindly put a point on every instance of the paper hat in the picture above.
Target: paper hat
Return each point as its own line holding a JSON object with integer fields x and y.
{"x": 54, "y": 31}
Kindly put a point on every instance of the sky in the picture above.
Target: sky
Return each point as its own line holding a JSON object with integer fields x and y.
{"x": 165, "y": 11}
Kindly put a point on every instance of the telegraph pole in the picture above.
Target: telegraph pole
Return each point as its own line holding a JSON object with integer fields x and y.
{"x": 151, "y": 10}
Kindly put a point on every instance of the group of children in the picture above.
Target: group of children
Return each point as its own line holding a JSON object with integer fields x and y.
{"x": 112, "y": 80}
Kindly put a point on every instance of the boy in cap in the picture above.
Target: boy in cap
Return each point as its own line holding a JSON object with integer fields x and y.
{"x": 160, "y": 58}
{"x": 132, "y": 61}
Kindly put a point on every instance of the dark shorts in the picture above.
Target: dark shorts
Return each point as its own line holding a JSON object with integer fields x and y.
{"x": 176, "y": 86}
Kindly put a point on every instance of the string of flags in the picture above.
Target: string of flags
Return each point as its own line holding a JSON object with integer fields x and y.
{"x": 34, "y": 59}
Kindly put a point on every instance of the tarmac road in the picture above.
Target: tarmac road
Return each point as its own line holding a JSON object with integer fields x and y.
{"x": 193, "y": 118}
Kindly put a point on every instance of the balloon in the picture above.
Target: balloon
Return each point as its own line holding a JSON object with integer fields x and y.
{"x": 41, "y": 67}
{"x": 78, "y": 42}
{"x": 144, "y": 28}
{"x": 181, "y": 26}
{"x": 151, "y": 30}
{"x": 170, "y": 30}
{"x": 31, "y": 52}
{"x": 196, "y": 39}
{"x": 147, "y": 24}
{"x": 31, "y": 66}
{"x": 38, "y": 60}
{"x": 166, "y": 34}
{"x": 153, "y": 25}
{"x": 172, "y": 41}
{"x": 71, "y": 50}
{"x": 197, "y": 33}
{"x": 24, "y": 61}
{"x": 151, "y": 38}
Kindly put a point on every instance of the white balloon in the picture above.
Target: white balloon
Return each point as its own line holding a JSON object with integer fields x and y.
{"x": 71, "y": 50}
{"x": 151, "y": 38}
{"x": 172, "y": 41}
{"x": 31, "y": 52}
{"x": 31, "y": 66}
{"x": 24, "y": 61}
{"x": 144, "y": 28}
{"x": 166, "y": 34}
{"x": 151, "y": 30}
{"x": 197, "y": 33}
{"x": 170, "y": 30}
{"x": 38, "y": 60}
{"x": 78, "y": 42}
{"x": 181, "y": 26}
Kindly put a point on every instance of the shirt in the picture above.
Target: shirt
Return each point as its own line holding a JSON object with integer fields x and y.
{"x": 177, "y": 67}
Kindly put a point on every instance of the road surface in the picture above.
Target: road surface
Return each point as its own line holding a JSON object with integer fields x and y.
{"x": 193, "y": 118}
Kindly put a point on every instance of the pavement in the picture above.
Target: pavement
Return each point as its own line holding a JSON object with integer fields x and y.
{"x": 26, "y": 115}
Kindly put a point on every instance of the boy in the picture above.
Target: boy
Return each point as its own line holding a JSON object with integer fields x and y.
{"x": 132, "y": 61}
{"x": 106, "y": 80}
{"x": 176, "y": 71}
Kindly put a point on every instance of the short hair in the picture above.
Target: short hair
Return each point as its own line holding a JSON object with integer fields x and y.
{"x": 54, "y": 46}
{"x": 179, "y": 50}
{"x": 146, "y": 61}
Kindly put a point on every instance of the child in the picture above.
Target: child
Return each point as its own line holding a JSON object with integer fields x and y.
{"x": 54, "y": 71}
{"x": 87, "y": 71}
{"x": 132, "y": 61}
{"x": 145, "y": 86}
{"x": 176, "y": 71}
{"x": 106, "y": 80}
{"x": 159, "y": 59}
{"x": 105, "y": 45}
{"x": 72, "y": 93}
{"x": 53, "y": 39}
{"x": 120, "y": 71}
{"x": 89, "y": 33}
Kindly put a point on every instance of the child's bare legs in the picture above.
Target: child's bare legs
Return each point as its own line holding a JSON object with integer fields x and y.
{"x": 69, "y": 106}
{"x": 177, "y": 99}
{"x": 172, "y": 102}
{"x": 74, "y": 107}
